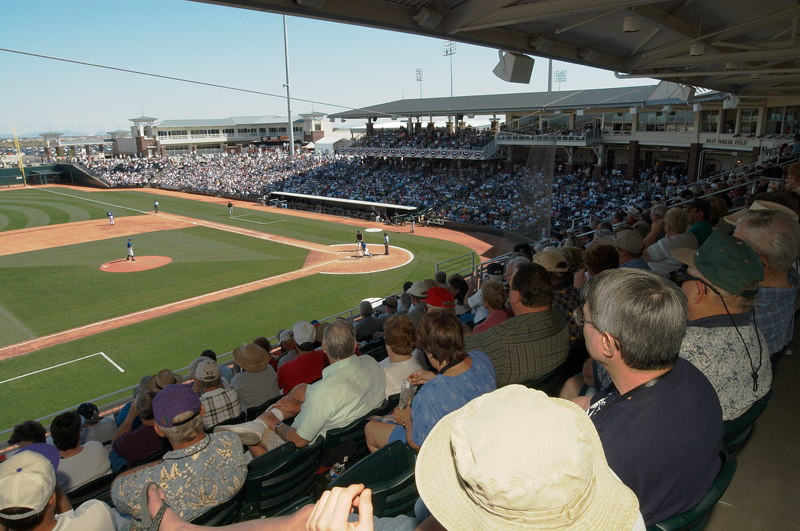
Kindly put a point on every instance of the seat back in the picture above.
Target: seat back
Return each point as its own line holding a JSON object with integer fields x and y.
{"x": 549, "y": 383}
{"x": 389, "y": 472}
{"x": 222, "y": 514}
{"x": 695, "y": 518}
{"x": 252, "y": 413}
{"x": 352, "y": 432}
{"x": 738, "y": 429}
{"x": 376, "y": 349}
{"x": 235, "y": 420}
{"x": 99, "y": 488}
{"x": 278, "y": 478}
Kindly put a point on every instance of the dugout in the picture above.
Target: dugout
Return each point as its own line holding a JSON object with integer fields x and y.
{"x": 341, "y": 207}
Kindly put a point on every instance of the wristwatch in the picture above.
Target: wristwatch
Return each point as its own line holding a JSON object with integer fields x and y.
{"x": 278, "y": 426}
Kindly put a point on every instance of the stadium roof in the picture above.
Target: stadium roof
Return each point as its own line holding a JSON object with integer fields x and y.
{"x": 652, "y": 95}
{"x": 738, "y": 46}
{"x": 222, "y": 122}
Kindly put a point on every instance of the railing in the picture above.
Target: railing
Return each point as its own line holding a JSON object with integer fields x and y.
{"x": 173, "y": 137}
{"x": 463, "y": 265}
{"x": 209, "y": 136}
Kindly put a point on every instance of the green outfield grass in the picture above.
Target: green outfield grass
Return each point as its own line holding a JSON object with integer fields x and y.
{"x": 174, "y": 340}
{"x": 30, "y": 207}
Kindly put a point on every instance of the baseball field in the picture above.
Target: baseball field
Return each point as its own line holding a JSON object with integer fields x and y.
{"x": 78, "y": 321}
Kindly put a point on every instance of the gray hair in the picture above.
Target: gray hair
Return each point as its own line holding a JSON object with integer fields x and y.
{"x": 658, "y": 210}
{"x": 365, "y": 308}
{"x": 185, "y": 432}
{"x": 144, "y": 404}
{"x": 773, "y": 235}
{"x": 440, "y": 277}
{"x": 340, "y": 339}
{"x": 514, "y": 263}
{"x": 644, "y": 312}
{"x": 677, "y": 219}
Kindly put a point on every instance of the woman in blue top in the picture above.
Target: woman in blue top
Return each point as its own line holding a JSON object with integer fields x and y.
{"x": 461, "y": 377}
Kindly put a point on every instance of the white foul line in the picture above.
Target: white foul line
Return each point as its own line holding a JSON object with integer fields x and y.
{"x": 92, "y": 200}
{"x": 65, "y": 363}
{"x": 239, "y": 218}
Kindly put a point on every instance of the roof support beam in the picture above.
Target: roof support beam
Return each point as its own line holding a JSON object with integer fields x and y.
{"x": 547, "y": 9}
{"x": 470, "y": 12}
{"x": 752, "y": 55}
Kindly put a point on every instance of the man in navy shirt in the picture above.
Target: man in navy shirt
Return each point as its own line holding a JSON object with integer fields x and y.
{"x": 661, "y": 422}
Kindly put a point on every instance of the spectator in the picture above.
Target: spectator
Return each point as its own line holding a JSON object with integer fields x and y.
{"x": 775, "y": 236}
{"x": 720, "y": 284}
{"x": 258, "y": 381}
{"x": 634, "y": 323}
{"x": 566, "y": 298}
{"x": 224, "y": 370}
{"x": 533, "y": 342}
{"x": 699, "y": 213}
{"x": 368, "y": 324}
{"x": 351, "y": 387}
{"x": 95, "y": 427}
{"x": 79, "y": 464}
{"x": 389, "y": 308}
{"x": 630, "y": 246}
{"x": 308, "y": 365}
{"x": 142, "y": 443}
{"x": 494, "y": 271}
{"x": 220, "y": 404}
{"x": 493, "y": 295}
{"x": 28, "y": 432}
{"x": 441, "y": 279}
{"x": 288, "y": 346}
{"x": 658, "y": 255}
{"x": 461, "y": 377}
{"x": 403, "y": 356}
{"x": 199, "y": 473}
{"x": 418, "y": 293}
{"x": 30, "y": 498}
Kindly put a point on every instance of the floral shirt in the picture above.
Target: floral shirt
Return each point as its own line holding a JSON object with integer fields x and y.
{"x": 194, "y": 479}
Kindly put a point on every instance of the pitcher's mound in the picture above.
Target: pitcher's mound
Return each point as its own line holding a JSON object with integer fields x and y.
{"x": 142, "y": 263}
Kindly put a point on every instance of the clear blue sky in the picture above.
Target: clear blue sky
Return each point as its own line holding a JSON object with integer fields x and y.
{"x": 332, "y": 63}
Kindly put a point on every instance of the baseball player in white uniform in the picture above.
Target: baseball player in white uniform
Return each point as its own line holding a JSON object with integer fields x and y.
{"x": 130, "y": 251}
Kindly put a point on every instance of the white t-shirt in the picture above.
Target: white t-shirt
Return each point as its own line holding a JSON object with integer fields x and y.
{"x": 80, "y": 469}
{"x": 93, "y": 515}
{"x": 397, "y": 372}
{"x": 661, "y": 261}
{"x": 101, "y": 432}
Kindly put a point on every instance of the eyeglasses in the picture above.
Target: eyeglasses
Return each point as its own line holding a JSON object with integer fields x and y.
{"x": 579, "y": 320}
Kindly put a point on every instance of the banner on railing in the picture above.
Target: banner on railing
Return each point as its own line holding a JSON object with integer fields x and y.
{"x": 464, "y": 154}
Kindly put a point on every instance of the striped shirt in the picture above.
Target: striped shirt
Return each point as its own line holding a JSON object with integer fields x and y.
{"x": 774, "y": 315}
{"x": 525, "y": 347}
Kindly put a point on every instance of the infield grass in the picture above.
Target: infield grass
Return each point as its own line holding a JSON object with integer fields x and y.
{"x": 172, "y": 341}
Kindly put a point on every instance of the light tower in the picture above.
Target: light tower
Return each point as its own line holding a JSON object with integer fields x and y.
{"x": 449, "y": 50}
{"x": 419, "y": 78}
{"x": 560, "y": 76}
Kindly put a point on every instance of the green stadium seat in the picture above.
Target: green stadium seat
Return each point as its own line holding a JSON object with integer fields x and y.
{"x": 353, "y": 432}
{"x": 549, "y": 383}
{"x": 696, "y": 518}
{"x": 252, "y": 413}
{"x": 738, "y": 430}
{"x": 278, "y": 478}
{"x": 236, "y": 420}
{"x": 223, "y": 514}
{"x": 389, "y": 472}
{"x": 97, "y": 489}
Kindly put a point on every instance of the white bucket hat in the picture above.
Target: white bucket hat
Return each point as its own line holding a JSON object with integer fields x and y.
{"x": 543, "y": 468}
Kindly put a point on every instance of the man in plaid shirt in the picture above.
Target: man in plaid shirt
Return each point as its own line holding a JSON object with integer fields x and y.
{"x": 775, "y": 235}
{"x": 221, "y": 404}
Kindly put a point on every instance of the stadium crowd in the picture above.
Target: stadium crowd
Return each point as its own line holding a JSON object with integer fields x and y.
{"x": 481, "y": 194}
{"x": 437, "y": 138}
{"x": 669, "y": 322}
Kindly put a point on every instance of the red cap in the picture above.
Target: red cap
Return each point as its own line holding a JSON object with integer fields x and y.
{"x": 440, "y": 297}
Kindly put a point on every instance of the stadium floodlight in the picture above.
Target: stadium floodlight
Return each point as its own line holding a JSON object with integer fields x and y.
{"x": 449, "y": 50}
{"x": 560, "y": 76}
{"x": 419, "y": 78}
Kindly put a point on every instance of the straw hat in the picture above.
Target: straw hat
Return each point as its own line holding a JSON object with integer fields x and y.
{"x": 251, "y": 358}
{"x": 517, "y": 459}
{"x": 163, "y": 378}
{"x": 733, "y": 219}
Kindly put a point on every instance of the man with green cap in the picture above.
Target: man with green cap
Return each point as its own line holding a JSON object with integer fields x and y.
{"x": 721, "y": 284}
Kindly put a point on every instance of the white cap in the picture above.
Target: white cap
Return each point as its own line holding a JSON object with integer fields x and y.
{"x": 26, "y": 480}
